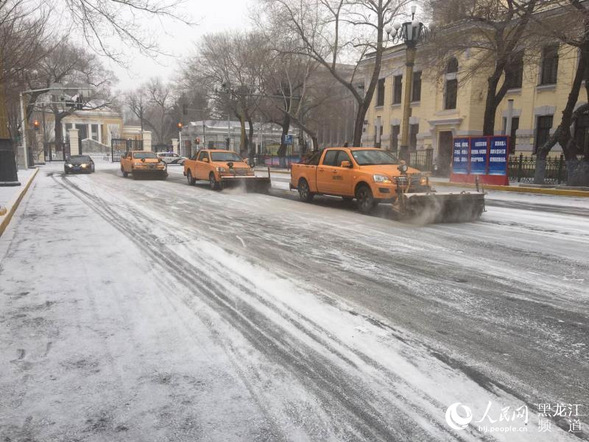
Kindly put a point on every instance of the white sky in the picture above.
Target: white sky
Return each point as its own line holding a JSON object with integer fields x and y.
{"x": 178, "y": 39}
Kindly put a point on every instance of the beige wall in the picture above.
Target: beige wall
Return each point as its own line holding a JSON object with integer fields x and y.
{"x": 530, "y": 101}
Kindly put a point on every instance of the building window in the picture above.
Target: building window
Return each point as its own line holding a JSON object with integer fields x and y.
{"x": 451, "y": 90}
{"x": 416, "y": 93}
{"x": 397, "y": 89}
{"x": 515, "y": 71}
{"x": 413, "y": 130}
{"x": 380, "y": 93}
{"x": 549, "y": 71}
{"x": 451, "y": 94}
{"x": 543, "y": 126}
{"x": 395, "y": 130}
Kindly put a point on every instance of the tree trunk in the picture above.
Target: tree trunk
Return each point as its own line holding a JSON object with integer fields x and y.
{"x": 283, "y": 147}
{"x": 252, "y": 146}
{"x": 563, "y": 131}
{"x": 359, "y": 125}
{"x": 491, "y": 103}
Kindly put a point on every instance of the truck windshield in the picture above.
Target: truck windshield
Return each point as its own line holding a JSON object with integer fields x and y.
{"x": 372, "y": 157}
{"x": 225, "y": 156}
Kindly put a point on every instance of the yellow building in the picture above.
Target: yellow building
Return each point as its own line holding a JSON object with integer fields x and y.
{"x": 448, "y": 104}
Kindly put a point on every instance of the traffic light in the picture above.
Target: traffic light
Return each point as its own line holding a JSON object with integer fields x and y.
{"x": 179, "y": 126}
{"x": 36, "y": 125}
{"x": 197, "y": 141}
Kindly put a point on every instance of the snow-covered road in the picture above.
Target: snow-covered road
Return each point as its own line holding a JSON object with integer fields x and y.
{"x": 149, "y": 310}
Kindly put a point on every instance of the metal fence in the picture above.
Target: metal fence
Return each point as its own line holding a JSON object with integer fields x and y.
{"x": 276, "y": 161}
{"x": 53, "y": 151}
{"x": 119, "y": 146}
{"x": 523, "y": 168}
{"x": 422, "y": 160}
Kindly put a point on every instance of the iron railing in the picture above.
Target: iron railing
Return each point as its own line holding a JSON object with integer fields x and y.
{"x": 523, "y": 168}
{"x": 276, "y": 161}
{"x": 422, "y": 159}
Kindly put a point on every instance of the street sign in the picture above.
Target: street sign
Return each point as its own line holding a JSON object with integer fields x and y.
{"x": 288, "y": 139}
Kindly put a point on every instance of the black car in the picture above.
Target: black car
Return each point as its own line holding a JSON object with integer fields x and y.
{"x": 79, "y": 163}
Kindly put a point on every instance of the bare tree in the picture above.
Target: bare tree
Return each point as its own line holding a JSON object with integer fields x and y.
{"x": 334, "y": 31}
{"x": 155, "y": 105}
{"x": 568, "y": 23}
{"x": 73, "y": 67}
{"x": 493, "y": 32}
{"x": 233, "y": 66}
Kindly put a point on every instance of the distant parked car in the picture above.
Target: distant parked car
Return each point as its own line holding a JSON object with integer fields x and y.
{"x": 78, "y": 164}
{"x": 171, "y": 157}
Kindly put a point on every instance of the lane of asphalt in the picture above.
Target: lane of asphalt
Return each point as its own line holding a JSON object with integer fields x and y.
{"x": 452, "y": 286}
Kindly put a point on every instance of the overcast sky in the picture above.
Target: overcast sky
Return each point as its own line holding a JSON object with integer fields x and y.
{"x": 179, "y": 39}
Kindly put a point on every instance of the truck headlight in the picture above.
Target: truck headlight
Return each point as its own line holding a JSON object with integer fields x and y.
{"x": 423, "y": 181}
{"x": 381, "y": 179}
{"x": 138, "y": 163}
{"x": 220, "y": 169}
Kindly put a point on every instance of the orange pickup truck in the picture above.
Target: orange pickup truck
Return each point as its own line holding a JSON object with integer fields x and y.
{"x": 222, "y": 168}
{"x": 371, "y": 176}
{"x": 143, "y": 163}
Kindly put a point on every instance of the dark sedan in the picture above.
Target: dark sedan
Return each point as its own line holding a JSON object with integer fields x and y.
{"x": 79, "y": 164}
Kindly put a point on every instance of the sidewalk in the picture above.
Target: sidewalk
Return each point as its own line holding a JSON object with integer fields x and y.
{"x": 11, "y": 196}
{"x": 562, "y": 190}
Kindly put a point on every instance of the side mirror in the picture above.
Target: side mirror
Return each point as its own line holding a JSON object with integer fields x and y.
{"x": 346, "y": 164}
{"x": 402, "y": 167}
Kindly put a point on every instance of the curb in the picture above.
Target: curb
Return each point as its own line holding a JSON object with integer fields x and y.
{"x": 544, "y": 191}
{"x": 13, "y": 205}
{"x": 518, "y": 189}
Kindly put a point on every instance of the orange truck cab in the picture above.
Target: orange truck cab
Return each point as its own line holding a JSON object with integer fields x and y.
{"x": 143, "y": 163}
{"x": 367, "y": 174}
{"x": 221, "y": 168}
{"x": 372, "y": 175}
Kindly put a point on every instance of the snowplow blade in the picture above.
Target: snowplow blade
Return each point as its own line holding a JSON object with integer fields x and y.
{"x": 445, "y": 207}
{"x": 251, "y": 183}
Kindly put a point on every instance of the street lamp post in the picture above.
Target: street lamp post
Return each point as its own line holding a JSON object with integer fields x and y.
{"x": 410, "y": 33}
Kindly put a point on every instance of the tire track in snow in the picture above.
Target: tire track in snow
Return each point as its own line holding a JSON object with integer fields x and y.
{"x": 331, "y": 383}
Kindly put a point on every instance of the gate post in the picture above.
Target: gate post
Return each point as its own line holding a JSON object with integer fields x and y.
{"x": 519, "y": 167}
{"x": 429, "y": 159}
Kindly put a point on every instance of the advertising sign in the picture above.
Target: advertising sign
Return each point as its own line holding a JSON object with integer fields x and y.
{"x": 460, "y": 156}
{"x": 478, "y": 156}
{"x": 482, "y": 159}
{"x": 498, "y": 156}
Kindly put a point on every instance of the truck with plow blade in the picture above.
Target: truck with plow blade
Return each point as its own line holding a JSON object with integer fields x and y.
{"x": 223, "y": 168}
{"x": 372, "y": 176}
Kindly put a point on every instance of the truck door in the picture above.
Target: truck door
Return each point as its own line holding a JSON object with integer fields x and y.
{"x": 342, "y": 177}
{"x": 325, "y": 172}
{"x": 201, "y": 166}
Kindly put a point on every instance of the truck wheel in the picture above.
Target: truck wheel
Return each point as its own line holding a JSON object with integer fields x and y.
{"x": 125, "y": 174}
{"x": 213, "y": 183}
{"x": 189, "y": 178}
{"x": 365, "y": 199}
{"x": 304, "y": 191}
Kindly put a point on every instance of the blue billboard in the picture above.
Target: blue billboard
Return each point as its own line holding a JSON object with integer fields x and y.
{"x": 478, "y": 155}
{"x": 460, "y": 156}
{"x": 498, "y": 155}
